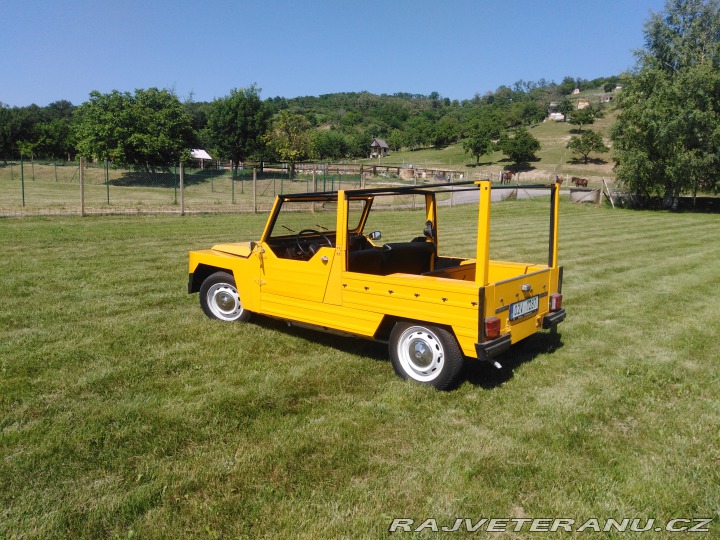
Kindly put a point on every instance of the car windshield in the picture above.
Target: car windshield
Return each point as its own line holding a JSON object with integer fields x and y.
{"x": 295, "y": 216}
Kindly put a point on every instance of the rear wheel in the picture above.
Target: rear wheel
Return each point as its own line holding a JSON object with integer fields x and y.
{"x": 426, "y": 354}
{"x": 220, "y": 299}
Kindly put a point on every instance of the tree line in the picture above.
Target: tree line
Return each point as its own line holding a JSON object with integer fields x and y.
{"x": 153, "y": 127}
{"x": 666, "y": 140}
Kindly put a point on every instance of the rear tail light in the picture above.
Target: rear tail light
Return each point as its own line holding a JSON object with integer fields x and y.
{"x": 492, "y": 327}
{"x": 555, "y": 301}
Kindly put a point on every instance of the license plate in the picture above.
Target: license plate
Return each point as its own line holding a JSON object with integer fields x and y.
{"x": 524, "y": 307}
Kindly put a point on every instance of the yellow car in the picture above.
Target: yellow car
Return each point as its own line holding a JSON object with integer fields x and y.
{"x": 319, "y": 264}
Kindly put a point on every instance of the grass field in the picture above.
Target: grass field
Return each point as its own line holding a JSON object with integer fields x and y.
{"x": 125, "y": 412}
{"x": 55, "y": 189}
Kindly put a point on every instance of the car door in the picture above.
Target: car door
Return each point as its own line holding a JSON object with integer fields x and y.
{"x": 298, "y": 255}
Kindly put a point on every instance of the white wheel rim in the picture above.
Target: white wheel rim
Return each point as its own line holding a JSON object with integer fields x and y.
{"x": 224, "y": 302}
{"x": 421, "y": 354}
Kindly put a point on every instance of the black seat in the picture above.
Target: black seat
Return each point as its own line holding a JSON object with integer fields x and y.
{"x": 366, "y": 261}
{"x": 407, "y": 257}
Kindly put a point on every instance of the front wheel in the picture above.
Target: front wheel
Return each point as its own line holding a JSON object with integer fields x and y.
{"x": 220, "y": 299}
{"x": 426, "y": 354}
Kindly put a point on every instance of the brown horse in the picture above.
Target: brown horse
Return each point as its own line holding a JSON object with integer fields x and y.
{"x": 506, "y": 177}
{"x": 579, "y": 182}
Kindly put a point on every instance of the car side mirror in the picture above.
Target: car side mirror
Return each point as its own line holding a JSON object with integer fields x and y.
{"x": 375, "y": 235}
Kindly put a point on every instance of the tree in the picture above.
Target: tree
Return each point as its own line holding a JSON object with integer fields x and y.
{"x": 237, "y": 123}
{"x": 330, "y": 145}
{"x": 54, "y": 134}
{"x": 480, "y": 136}
{"x": 396, "y": 139}
{"x": 19, "y": 127}
{"x": 567, "y": 85}
{"x": 666, "y": 138}
{"x": 419, "y": 132}
{"x": 589, "y": 141}
{"x": 565, "y": 107}
{"x": 521, "y": 147}
{"x": 6, "y": 141}
{"x": 447, "y": 131}
{"x": 530, "y": 112}
{"x": 585, "y": 117}
{"x": 291, "y": 138}
{"x": 147, "y": 129}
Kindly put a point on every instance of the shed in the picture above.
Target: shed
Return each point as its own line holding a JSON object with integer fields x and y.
{"x": 200, "y": 155}
{"x": 378, "y": 148}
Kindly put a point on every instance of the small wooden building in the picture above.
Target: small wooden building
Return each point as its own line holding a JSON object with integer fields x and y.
{"x": 378, "y": 148}
{"x": 200, "y": 155}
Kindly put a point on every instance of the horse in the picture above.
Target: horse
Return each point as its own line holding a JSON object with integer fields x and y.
{"x": 579, "y": 182}
{"x": 506, "y": 177}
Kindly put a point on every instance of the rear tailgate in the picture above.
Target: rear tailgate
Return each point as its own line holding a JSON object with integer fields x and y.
{"x": 521, "y": 302}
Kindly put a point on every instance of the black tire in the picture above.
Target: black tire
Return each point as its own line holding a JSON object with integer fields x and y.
{"x": 220, "y": 299}
{"x": 426, "y": 354}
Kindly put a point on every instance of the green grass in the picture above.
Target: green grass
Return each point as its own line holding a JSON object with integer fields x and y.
{"x": 125, "y": 412}
{"x": 553, "y": 157}
{"x": 49, "y": 189}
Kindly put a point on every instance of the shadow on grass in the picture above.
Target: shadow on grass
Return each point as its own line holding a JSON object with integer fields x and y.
{"x": 590, "y": 161}
{"x": 347, "y": 344}
{"x": 167, "y": 178}
{"x": 487, "y": 376}
{"x": 482, "y": 374}
{"x": 480, "y": 164}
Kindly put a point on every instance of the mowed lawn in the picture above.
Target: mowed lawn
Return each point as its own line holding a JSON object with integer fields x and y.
{"x": 125, "y": 412}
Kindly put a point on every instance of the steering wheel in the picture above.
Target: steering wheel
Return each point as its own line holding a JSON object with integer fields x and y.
{"x": 310, "y": 248}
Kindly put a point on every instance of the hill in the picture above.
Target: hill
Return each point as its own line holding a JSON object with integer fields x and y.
{"x": 553, "y": 158}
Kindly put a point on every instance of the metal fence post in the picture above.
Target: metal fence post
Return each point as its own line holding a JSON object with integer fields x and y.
{"x": 82, "y": 186}
{"x": 22, "y": 179}
{"x": 107, "y": 179}
{"x": 254, "y": 190}
{"x": 232, "y": 184}
{"x": 182, "y": 189}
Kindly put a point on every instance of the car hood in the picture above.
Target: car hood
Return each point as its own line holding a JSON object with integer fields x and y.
{"x": 241, "y": 249}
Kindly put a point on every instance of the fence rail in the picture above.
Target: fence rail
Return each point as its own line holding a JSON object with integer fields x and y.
{"x": 31, "y": 187}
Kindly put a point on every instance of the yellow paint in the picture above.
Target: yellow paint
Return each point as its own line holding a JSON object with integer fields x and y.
{"x": 322, "y": 292}
{"x": 482, "y": 267}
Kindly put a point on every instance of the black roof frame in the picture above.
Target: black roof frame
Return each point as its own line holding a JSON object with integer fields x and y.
{"x": 409, "y": 190}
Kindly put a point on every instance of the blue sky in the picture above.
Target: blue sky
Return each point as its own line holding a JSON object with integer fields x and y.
{"x": 52, "y": 50}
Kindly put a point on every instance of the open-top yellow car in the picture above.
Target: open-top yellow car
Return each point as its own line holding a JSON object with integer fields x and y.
{"x": 320, "y": 264}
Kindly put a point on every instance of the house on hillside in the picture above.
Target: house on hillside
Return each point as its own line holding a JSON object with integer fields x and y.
{"x": 378, "y": 148}
{"x": 582, "y": 104}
